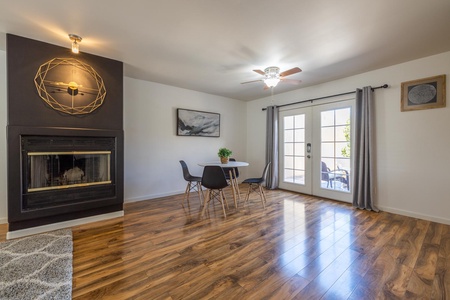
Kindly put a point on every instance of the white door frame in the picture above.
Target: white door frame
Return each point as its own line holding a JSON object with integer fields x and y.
{"x": 312, "y": 184}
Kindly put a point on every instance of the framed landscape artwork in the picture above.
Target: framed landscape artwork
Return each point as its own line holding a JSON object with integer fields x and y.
{"x": 423, "y": 93}
{"x": 197, "y": 123}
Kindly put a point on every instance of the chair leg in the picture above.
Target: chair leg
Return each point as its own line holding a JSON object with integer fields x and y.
{"x": 262, "y": 195}
{"x": 218, "y": 197}
{"x": 222, "y": 200}
{"x": 247, "y": 196}
{"x": 186, "y": 193}
{"x": 200, "y": 192}
{"x": 210, "y": 195}
{"x": 206, "y": 202}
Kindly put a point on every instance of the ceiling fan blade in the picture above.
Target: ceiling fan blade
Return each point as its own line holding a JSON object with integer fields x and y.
{"x": 259, "y": 72}
{"x": 290, "y": 72}
{"x": 290, "y": 81}
{"x": 251, "y": 81}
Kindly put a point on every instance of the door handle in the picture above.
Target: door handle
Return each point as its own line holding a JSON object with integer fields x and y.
{"x": 308, "y": 156}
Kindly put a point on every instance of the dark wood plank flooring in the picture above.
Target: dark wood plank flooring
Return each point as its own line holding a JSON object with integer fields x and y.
{"x": 299, "y": 247}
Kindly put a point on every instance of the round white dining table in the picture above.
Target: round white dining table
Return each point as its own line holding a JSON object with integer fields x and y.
{"x": 230, "y": 164}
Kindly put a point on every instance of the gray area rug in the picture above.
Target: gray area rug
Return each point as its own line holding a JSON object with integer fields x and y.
{"x": 37, "y": 267}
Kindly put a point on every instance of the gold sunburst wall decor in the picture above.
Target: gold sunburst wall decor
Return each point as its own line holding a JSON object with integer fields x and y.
{"x": 70, "y": 86}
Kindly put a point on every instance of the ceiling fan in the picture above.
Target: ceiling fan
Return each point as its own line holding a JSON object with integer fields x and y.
{"x": 272, "y": 76}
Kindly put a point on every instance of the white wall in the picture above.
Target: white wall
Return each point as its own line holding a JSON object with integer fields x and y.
{"x": 413, "y": 160}
{"x": 3, "y": 123}
{"x": 152, "y": 148}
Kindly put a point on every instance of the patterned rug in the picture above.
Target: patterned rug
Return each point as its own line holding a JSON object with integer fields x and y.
{"x": 37, "y": 267}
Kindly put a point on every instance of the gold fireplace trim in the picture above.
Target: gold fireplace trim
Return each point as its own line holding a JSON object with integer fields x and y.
{"x": 68, "y": 153}
{"x": 58, "y": 187}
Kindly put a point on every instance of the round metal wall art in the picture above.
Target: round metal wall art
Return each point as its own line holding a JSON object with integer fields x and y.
{"x": 70, "y": 86}
{"x": 422, "y": 93}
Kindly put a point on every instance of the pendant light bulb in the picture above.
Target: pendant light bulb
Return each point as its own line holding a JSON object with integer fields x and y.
{"x": 271, "y": 82}
{"x": 272, "y": 76}
{"x": 75, "y": 47}
{"x": 75, "y": 42}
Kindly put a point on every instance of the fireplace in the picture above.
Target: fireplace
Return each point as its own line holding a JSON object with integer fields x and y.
{"x": 65, "y": 170}
{"x": 60, "y": 174}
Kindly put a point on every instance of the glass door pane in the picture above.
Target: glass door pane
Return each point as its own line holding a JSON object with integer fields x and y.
{"x": 332, "y": 157}
{"x": 294, "y": 160}
{"x": 294, "y": 144}
{"x": 335, "y": 149}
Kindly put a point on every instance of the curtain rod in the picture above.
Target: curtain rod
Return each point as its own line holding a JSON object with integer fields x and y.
{"x": 384, "y": 86}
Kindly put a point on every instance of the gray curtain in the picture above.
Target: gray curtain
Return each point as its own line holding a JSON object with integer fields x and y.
{"x": 272, "y": 147}
{"x": 363, "y": 173}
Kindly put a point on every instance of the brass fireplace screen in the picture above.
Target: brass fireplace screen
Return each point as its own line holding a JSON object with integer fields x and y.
{"x": 61, "y": 170}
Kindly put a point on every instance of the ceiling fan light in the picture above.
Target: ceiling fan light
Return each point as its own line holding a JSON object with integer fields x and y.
{"x": 271, "y": 82}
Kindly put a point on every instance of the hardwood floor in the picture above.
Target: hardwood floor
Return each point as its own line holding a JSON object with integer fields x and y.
{"x": 299, "y": 247}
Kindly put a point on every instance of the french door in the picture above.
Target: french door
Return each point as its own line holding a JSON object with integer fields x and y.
{"x": 315, "y": 150}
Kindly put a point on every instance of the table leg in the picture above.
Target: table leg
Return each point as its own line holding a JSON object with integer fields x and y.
{"x": 233, "y": 188}
{"x": 237, "y": 185}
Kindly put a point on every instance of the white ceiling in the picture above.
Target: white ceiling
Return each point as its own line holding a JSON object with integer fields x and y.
{"x": 213, "y": 45}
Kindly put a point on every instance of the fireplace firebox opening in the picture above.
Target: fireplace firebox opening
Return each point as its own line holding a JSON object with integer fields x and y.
{"x": 59, "y": 170}
{"x": 62, "y": 170}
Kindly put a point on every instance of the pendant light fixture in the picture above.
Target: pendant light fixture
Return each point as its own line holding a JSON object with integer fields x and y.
{"x": 75, "y": 42}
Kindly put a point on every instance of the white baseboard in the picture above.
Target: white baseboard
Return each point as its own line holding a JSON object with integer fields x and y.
{"x": 3, "y": 220}
{"x": 414, "y": 215}
{"x": 61, "y": 225}
{"x": 154, "y": 196}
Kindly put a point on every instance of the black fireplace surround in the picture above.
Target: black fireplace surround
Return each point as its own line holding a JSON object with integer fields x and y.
{"x": 70, "y": 184}
{"x": 29, "y": 209}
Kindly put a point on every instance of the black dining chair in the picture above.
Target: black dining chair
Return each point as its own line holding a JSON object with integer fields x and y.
{"x": 255, "y": 184}
{"x": 214, "y": 180}
{"x": 193, "y": 183}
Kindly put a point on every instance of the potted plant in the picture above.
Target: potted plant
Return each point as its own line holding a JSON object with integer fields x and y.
{"x": 224, "y": 155}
